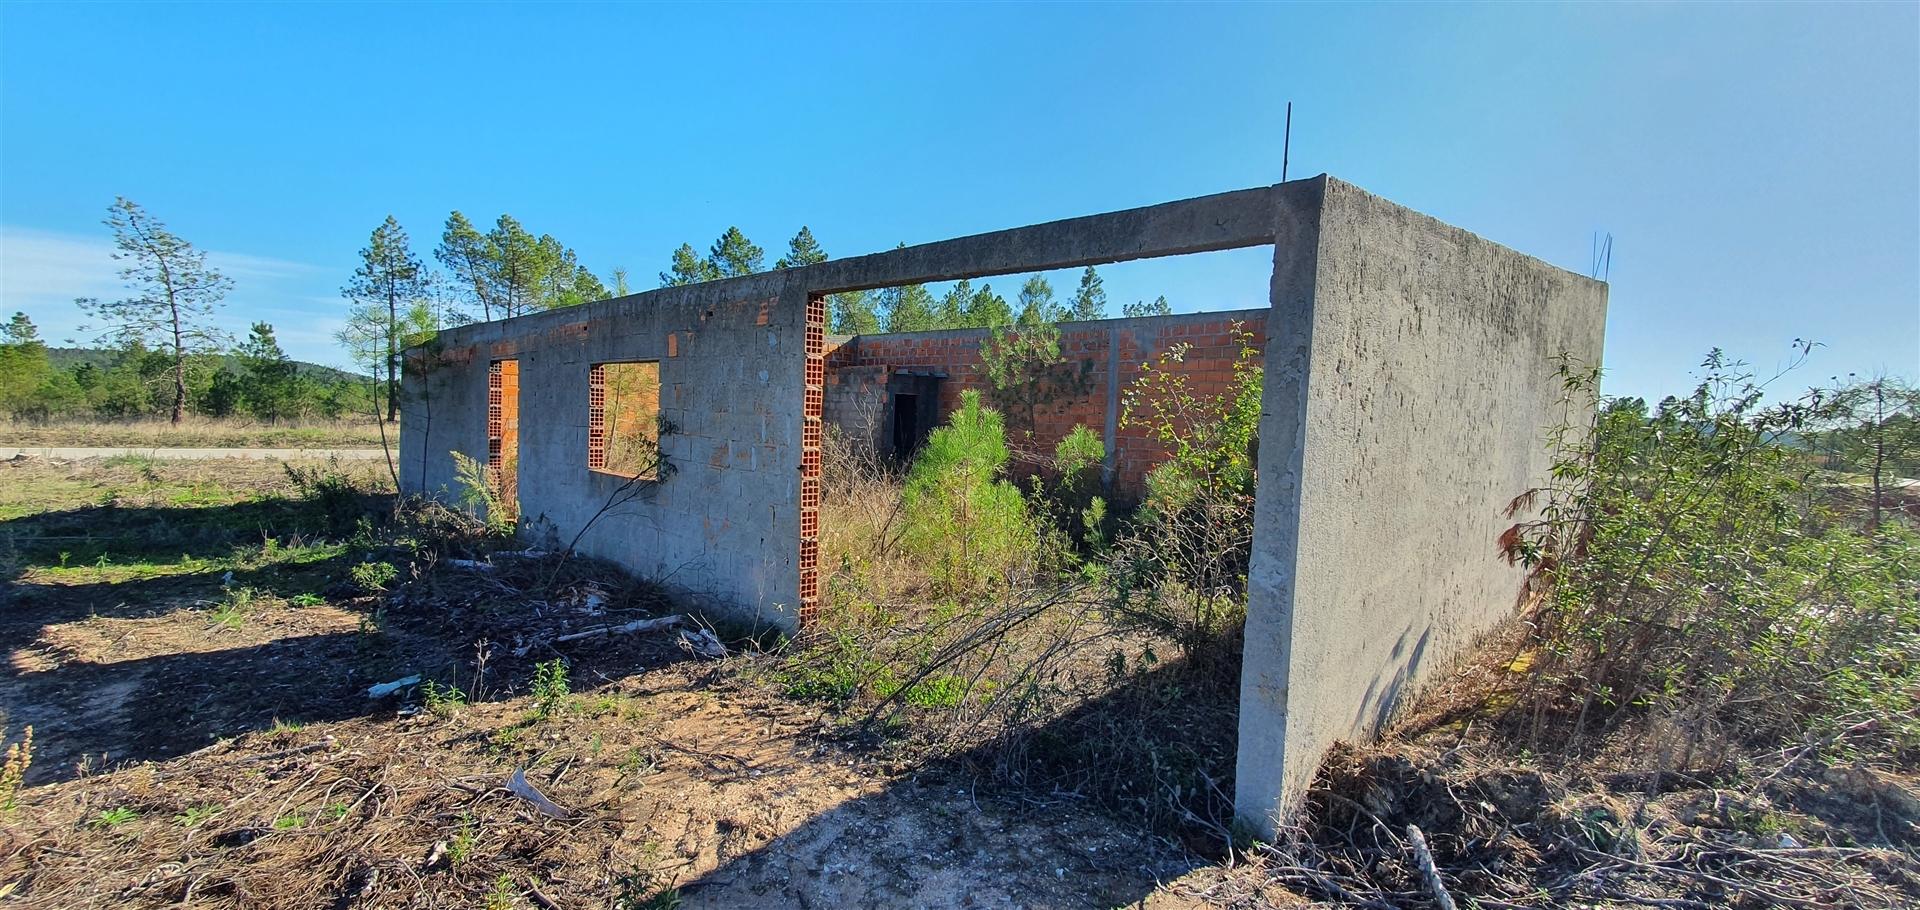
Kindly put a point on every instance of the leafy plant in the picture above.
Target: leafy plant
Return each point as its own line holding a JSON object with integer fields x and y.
{"x": 460, "y": 845}
{"x": 504, "y": 895}
{"x": 337, "y": 497}
{"x": 550, "y": 687}
{"x": 1181, "y": 567}
{"x": 195, "y": 816}
{"x": 443, "y": 699}
{"x": 112, "y": 818}
{"x": 231, "y": 612}
{"x": 373, "y": 577}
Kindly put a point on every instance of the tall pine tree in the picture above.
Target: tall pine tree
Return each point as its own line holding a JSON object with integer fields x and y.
{"x": 1090, "y": 301}
{"x": 1036, "y": 302}
{"x": 687, "y": 268}
{"x": 389, "y": 282}
{"x": 734, "y": 255}
{"x": 175, "y": 294}
{"x": 801, "y": 250}
{"x": 269, "y": 381}
{"x": 910, "y": 308}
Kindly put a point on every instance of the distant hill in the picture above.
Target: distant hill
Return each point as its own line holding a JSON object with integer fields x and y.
{"x": 68, "y": 358}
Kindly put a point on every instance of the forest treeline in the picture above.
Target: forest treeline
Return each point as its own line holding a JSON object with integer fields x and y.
{"x": 168, "y": 359}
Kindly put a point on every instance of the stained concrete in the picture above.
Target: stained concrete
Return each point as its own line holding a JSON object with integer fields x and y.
{"x": 1410, "y": 380}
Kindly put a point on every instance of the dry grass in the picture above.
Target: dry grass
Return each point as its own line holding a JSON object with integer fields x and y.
{"x": 195, "y": 432}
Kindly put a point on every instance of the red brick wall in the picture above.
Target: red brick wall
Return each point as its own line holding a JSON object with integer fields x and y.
{"x": 1091, "y": 355}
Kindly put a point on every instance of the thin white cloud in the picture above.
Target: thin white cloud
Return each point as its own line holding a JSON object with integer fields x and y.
{"x": 42, "y": 272}
{"x": 37, "y": 265}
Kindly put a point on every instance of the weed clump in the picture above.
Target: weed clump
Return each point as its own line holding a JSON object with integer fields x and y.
{"x": 13, "y": 767}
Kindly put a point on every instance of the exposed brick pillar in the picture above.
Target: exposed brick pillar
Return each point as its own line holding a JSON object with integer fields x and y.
{"x": 816, "y": 383}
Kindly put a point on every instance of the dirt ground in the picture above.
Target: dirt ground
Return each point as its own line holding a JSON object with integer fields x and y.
{"x": 193, "y": 645}
{"x": 190, "y": 752}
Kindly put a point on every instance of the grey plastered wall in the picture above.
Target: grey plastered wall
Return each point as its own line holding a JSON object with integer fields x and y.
{"x": 1410, "y": 378}
{"x": 721, "y": 529}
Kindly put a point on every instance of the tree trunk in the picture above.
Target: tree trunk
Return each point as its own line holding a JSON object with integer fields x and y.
{"x": 179, "y": 372}
{"x": 1879, "y": 452}
{"x": 393, "y": 330}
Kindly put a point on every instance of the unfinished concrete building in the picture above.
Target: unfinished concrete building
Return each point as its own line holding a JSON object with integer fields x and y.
{"x": 1410, "y": 373}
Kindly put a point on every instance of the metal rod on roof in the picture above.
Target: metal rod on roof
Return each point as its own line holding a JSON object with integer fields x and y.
{"x": 1286, "y": 144}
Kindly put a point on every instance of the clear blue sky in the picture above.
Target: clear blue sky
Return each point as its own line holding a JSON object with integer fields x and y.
{"x": 1758, "y": 165}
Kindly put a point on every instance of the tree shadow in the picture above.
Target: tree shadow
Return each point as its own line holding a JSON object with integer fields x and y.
{"x": 1035, "y": 819}
{"x": 87, "y": 535}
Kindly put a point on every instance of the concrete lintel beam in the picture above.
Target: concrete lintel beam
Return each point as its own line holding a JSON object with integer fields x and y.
{"x": 1223, "y": 221}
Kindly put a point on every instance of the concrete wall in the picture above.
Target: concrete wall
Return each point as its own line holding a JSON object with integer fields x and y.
{"x": 1101, "y": 361}
{"x": 1410, "y": 376}
{"x": 721, "y": 528}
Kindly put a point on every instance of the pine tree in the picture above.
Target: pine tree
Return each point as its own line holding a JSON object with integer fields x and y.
{"x": 952, "y": 312}
{"x": 175, "y": 293}
{"x": 1036, "y": 302}
{"x": 910, "y": 308}
{"x": 854, "y": 314}
{"x": 520, "y": 265}
{"x": 687, "y": 268}
{"x": 269, "y": 379}
{"x": 1090, "y": 301}
{"x": 801, "y": 250}
{"x": 389, "y": 281}
{"x": 987, "y": 309}
{"x": 1158, "y": 307}
{"x": 464, "y": 251}
{"x": 24, "y": 367}
{"x": 734, "y": 255}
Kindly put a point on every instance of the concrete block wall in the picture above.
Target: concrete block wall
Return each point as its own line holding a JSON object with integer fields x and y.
{"x": 1103, "y": 359}
{"x": 721, "y": 527}
{"x": 1410, "y": 379}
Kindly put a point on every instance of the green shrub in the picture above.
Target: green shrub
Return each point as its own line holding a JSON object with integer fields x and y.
{"x": 231, "y": 612}
{"x": 962, "y": 516}
{"x": 550, "y": 687}
{"x": 1181, "y": 566}
{"x": 443, "y": 699}
{"x": 373, "y": 577}
{"x": 1694, "y": 580}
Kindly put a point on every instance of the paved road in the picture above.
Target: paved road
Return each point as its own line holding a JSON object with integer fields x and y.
{"x": 78, "y": 452}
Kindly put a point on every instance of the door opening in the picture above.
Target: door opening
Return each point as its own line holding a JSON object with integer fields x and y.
{"x": 503, "y": 433}
{"x": 906, "y": 425}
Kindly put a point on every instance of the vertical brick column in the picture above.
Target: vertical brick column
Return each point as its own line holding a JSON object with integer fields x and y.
{"x": 503, "y": 427}
{"x": 597, "y": 417}
{"x": 496, "y": 419}
{"x": 815, "y": 397}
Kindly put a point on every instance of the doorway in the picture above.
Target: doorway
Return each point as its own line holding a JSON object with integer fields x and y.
{"x": 906, "y": 425}
{"x": 503, "y": 433}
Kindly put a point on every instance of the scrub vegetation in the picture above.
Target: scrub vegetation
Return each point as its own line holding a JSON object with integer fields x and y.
{"x": 1019, "y": 691}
